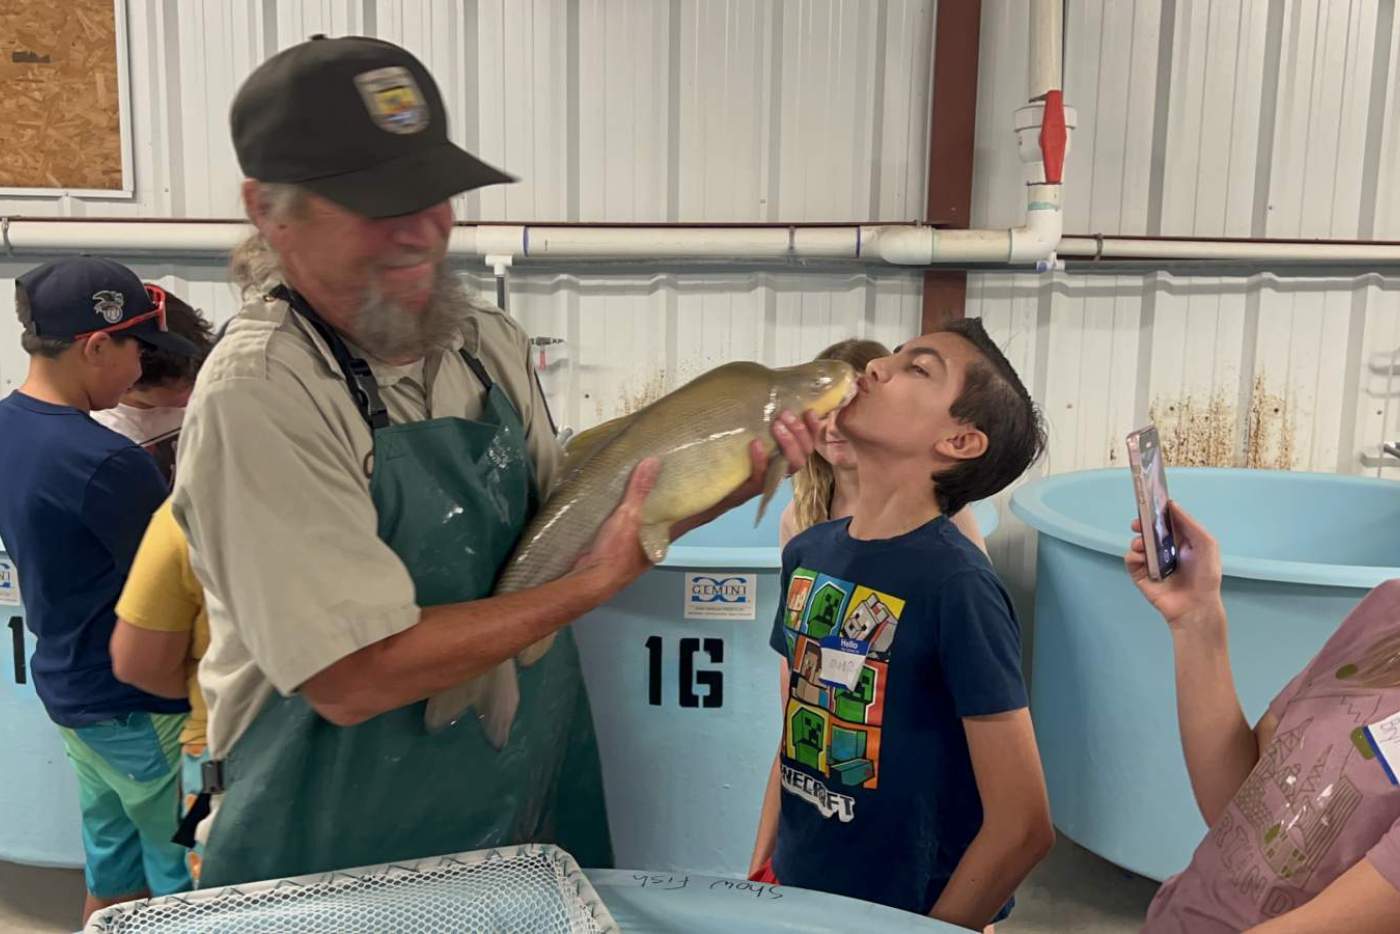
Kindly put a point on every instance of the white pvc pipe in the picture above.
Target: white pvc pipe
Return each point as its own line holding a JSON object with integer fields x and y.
{"x": 1047, "y": 32}
{"x": 1299, "y": 253}
{"x": 899, "y": 244}
{"x": 1035, "y": 240}
{"x": 187, "y": 238}
{"x": 894, "y": 244}
{"x": 691, "y": 243}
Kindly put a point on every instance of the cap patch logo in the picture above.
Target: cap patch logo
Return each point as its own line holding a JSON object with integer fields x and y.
{"x": 392, "y": 97}
{"x": 109, "y": 305}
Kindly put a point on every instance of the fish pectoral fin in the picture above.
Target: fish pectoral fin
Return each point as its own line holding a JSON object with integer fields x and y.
{"x": 535, "y": 651}
{"x": 500, "y": 699}
{"x": 495, "y": 695}
{"x": 656, "y": 539}
{"x": 777, "y": 471}
{"x": 446, "y": 707}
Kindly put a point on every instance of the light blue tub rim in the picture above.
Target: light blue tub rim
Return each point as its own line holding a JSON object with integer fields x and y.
{"x": 767, "y": 556}
{"x": 1028, "y": 504}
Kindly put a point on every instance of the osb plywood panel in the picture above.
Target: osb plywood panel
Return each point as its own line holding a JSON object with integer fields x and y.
{"x": 58, "y": 95}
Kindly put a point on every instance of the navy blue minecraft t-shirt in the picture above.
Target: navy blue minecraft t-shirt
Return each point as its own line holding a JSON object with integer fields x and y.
{"x": 890, "y": 644}
{"x": 75, "y": 500}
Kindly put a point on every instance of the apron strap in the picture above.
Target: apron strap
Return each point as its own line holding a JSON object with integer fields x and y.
{"x": 553, "y": 428}
{"x": 478, "y": 370}
{"x": 358, "y": 376}
{"x": 363, "y": 387}
{"x": 485, "y": 379}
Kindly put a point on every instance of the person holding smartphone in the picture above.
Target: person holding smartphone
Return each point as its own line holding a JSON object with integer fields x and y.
{"x": 1303, "y": 808}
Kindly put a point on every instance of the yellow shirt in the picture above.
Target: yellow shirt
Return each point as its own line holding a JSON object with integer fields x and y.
{"x": 162, "y": 594}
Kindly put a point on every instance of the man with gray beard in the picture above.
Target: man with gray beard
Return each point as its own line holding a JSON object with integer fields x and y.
{"x": 360, "y": 454}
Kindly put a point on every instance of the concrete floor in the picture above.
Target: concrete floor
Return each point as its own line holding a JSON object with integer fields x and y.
{"x": 40, "y": 899}
{"x": 1073, "y": 890}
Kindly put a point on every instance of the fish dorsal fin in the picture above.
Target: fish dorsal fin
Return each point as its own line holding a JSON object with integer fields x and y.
{"x": 584, "y": 445}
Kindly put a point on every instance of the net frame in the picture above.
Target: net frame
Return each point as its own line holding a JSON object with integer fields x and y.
{"x": 203, "y": 909}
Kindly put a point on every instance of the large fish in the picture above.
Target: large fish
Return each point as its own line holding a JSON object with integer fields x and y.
{"x": 701, "y": 432}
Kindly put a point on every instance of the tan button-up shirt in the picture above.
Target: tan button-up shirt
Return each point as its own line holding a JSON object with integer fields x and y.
{"x": 272, "y": 490}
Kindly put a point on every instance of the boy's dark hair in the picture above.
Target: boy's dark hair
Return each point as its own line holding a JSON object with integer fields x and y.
{"x": 34, "y": 345}
{"x": 159, "y": 368}
{"x": 995, "y": 401}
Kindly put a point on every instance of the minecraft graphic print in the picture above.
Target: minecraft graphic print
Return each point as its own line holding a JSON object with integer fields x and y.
{"x": 832, "y": 724}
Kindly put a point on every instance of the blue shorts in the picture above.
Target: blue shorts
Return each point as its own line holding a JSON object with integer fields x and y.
{"x": 128, "y": 787}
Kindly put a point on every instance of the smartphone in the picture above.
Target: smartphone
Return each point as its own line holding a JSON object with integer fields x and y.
{"x": 1150, "y": 483}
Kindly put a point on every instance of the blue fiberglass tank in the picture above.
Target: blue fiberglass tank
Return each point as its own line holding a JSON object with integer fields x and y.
{"x": 684, "y": 688}
{"x": 687, "y": 710}
{"x": 39, "y": 820}
{"x": 684, "y": 903}
{"x": 1299, "y": 551}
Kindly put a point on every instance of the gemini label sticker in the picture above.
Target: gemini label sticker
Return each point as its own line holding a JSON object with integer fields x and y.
{"x": 720, "y": 595}
{"x": 395, "y": 104}
{"x": 9, "y": 583}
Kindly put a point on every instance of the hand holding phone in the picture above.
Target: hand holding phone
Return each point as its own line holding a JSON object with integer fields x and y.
{"x": 1190, "y": 599}
{"x": 1150, "y": 484}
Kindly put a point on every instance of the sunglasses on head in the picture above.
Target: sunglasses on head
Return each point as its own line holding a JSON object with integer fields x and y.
{"x": 157, "y": 295}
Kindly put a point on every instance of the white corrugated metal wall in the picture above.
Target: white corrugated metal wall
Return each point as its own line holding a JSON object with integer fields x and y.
{"x": 1240, "y": 118}
{"x": 1196, "y": 117}
{"x": 608, "y": 110}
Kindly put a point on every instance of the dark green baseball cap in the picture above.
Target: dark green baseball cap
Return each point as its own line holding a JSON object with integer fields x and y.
{"x": 356, "y": 120}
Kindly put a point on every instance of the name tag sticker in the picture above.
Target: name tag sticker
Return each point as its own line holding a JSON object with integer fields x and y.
{"x": 842, "y": 660}
{"x": 1383, "y": 736}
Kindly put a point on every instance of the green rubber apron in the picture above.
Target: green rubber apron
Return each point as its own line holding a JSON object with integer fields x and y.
{"x": 302, "y": 795}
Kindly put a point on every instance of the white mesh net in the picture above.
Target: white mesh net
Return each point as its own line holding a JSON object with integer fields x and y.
{"x": 536, "y": 889}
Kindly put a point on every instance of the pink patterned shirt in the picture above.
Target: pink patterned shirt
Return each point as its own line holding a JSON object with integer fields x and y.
{"x": 1319, "y": 800}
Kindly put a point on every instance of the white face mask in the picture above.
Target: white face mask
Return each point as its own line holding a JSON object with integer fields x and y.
{"x": 142, "y": 425}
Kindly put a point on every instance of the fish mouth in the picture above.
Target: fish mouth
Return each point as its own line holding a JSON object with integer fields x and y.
{"x": 841, "y": 392}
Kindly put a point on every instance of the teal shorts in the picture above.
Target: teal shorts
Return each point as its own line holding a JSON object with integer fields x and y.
{"x": 128, "y": 788}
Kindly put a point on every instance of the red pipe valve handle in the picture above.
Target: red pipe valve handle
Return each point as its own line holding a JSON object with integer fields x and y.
{"x": 1054, "y": 137}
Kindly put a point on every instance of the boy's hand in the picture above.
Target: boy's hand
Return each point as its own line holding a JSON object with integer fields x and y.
{"x": 1191, "y": 596}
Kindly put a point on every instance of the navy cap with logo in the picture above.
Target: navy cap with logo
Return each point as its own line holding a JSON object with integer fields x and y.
{"x": 358, "y": 121}
{"x": 70, "y": 299}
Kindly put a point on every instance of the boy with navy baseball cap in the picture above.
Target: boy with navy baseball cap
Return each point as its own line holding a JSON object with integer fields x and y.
{"x": 75, "y": 499}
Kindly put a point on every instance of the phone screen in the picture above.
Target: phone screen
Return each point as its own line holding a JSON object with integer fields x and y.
{"x": 1154, "y": 477}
